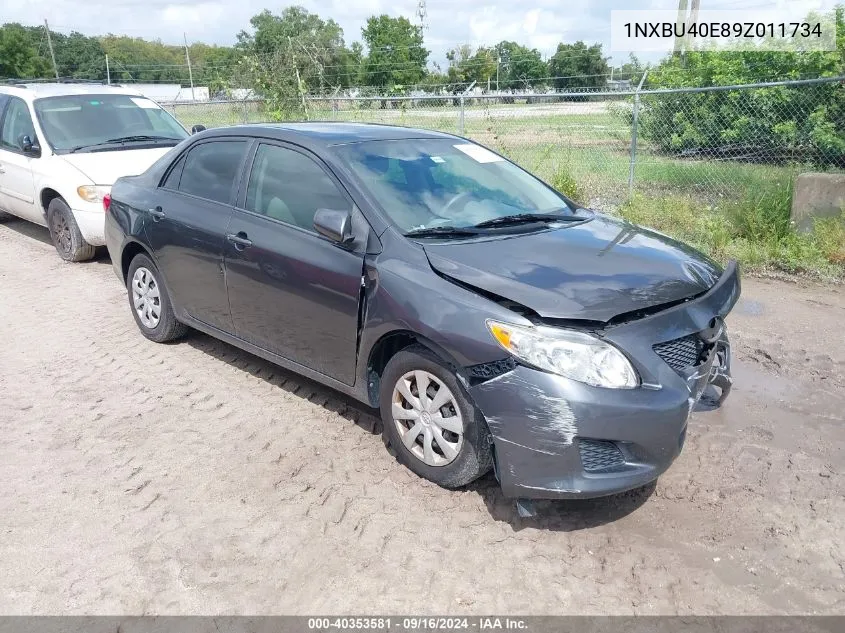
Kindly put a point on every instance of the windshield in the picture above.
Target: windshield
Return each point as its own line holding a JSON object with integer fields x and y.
{"x": 104, "y": 122}
{"x": 427, "y": 183}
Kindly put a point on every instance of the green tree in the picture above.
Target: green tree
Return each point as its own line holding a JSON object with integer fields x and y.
{"x": 213, "y": 66}
{"x": 520, "y": 67}
{"x": 578, "y": 66}
{"x": 79, "y": 56}
{"x": 19, "y": 57}
{"x": 466, "y": 65}
{"x": 633, "y": 70}
{"x": 292, "y": 54}
{"x": 396, "y": 57}
{"x": 136, "y": 59}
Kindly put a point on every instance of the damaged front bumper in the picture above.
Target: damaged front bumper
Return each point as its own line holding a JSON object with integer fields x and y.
{"x": 558, "y": 438}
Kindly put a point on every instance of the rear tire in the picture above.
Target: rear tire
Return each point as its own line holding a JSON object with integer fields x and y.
{"x": 68, "y": 240}
{"x": 150, "y": 302}
{"x": 448, "y": 444}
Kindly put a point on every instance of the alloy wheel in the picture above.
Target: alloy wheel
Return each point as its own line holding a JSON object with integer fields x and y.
{"x": 428, "y": 418}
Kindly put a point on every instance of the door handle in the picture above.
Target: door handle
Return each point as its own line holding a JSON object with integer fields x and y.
{"x": 2, "y": 171}
{"x": 157, "y": 214}
{"x": 240, "y": 241}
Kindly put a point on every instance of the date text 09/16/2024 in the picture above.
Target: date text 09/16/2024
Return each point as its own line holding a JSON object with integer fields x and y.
{"x": 416, "y": 623}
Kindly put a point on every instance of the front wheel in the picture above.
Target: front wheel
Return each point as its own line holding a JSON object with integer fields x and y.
{"x": 429, "y": 423}
{"x": 67, "y": 238}
{"x": 150, "y": 302}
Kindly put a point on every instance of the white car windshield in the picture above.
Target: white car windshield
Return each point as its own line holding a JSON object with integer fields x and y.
{"x": 105, "y": 122}
{"x": 430, "y": 183}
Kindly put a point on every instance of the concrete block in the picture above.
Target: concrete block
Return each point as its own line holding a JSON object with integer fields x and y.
{"x": 817, "y": 196}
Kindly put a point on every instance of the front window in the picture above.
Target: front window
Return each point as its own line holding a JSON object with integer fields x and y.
{"x": 87, "y": 123}
{"x": 428, "y": 183}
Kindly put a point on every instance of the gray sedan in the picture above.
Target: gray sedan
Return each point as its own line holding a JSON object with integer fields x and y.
{"x": 494, "y": 322}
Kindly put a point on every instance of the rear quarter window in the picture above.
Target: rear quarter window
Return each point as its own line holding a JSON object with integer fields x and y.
{"x": 211, "y": 169}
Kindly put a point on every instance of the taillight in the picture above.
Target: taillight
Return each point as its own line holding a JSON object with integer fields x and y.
{"x": 106, "y": 202}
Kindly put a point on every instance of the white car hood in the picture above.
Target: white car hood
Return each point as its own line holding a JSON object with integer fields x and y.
{"x": 103, "y": 168}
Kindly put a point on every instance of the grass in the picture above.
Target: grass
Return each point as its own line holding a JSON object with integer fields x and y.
{"x": 727, "y": 209}
{"x": 755, "y": 230}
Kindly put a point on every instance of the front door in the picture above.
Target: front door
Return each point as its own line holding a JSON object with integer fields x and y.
{"x": 186, "y": 227}
{"x": 17, "y": 185}
{"x": 292, "y": 291}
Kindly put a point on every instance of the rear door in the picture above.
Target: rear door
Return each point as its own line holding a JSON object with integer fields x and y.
{"x": 17, "y": 185}
{"x": 292, "y": 291}
{"x": 186, "y": 227}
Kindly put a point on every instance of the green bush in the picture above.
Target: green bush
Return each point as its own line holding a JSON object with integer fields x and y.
{"x": 799, "y": 124}
{"x": 563, "y": 181}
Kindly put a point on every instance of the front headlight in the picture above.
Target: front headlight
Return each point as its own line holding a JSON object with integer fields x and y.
{"x": 568, "y": 353}
{"x": 93, "y": 193}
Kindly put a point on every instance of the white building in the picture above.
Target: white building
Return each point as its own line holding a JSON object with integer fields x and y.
{"x": 171, "y": 92}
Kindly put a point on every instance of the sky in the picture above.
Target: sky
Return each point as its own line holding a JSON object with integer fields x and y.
{"x": 539, "y": 24}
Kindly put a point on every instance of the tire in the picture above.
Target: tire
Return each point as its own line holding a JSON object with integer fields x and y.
{"x": 4, "y": 216}
{"x": 69, "y": 243}
{"x": 463, "y": 459}
{"x": 154, "y": 314}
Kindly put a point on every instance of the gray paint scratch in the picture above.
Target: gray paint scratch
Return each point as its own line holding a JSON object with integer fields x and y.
{"x": 552, "y": 414}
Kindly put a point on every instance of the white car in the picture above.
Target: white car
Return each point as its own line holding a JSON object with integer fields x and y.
{"x": 63, "y": 145}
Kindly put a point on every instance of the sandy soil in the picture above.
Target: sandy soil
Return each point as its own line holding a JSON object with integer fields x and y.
{"x": 138, "y": 478}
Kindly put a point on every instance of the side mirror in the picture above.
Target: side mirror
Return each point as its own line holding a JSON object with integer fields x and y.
{"x": 198, "y": 128}
{"x": 335, "y": 225}
{"x": 26, "y": 144}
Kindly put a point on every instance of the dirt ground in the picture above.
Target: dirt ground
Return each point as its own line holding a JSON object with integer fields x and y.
{"x": 138, "y": 478}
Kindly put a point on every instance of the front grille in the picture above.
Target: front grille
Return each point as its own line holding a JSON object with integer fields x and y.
{"x": 682, "y": 352}
{"x": 597, "y": 455}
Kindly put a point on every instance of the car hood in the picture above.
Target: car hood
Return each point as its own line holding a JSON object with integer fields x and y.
{"x": 103, "y": 168}
{"x": 592, "y": 271}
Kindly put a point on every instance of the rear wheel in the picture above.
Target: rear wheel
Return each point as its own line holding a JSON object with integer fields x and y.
{"x": 150, "y": 302}
{"x": 429, "y": 423}
{"x": 67, "y": 238}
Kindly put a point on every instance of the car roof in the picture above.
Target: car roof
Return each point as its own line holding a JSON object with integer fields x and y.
{"x": 32, "y": 91}
{"x": 325, "y": 133}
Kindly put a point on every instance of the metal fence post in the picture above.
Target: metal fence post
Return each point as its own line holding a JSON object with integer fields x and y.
{"x": 461, "y": 118}
{"x": 634, "y": 132}
{"x": 634, "y": 127}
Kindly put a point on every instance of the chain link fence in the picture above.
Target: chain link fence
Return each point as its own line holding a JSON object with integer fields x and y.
{"x": 602, "y": 147}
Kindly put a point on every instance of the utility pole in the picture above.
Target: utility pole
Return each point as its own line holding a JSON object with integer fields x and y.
{"x": 680, "y": 23}
{"x": 696, "y": 7}
{"x": 50, "y": 44}
{"x": 498, "y": 63}
{"x": 190, "y": 72}
{"x": 693, "y": 17}
{"x": 108, "y": 72}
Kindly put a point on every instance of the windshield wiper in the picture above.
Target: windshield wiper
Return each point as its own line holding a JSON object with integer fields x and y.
{"x": 528, "y": 218}
{"x": 127, "y": 139}
{"x": 442, "y": 231}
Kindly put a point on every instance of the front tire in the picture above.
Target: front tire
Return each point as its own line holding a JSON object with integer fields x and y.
{"x": 150, "y": 302}
{"x": 68, "y": 240}
{"x": 429, "y": 423}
